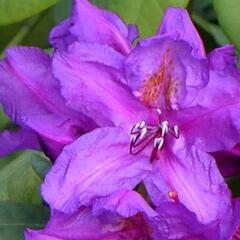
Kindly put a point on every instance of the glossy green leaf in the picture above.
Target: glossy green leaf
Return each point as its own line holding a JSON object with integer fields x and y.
{"x": 38, "y": 33}
{"x": 15, "y": 217}
{"x": 146, "y": 14}
{"x": 41, "y": 165}
{"x": 18, "y": 180}
{"x": 16, "y": 10}
{"x": 228, "y": 14}
{"x": 62, "y": 10}
{"x": 213, "y": 29}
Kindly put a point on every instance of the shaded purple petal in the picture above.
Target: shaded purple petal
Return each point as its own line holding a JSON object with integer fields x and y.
{"x": 92, "y": 52}
{"x": 22, "y": 139}
{"x": 84, "y": 225}
{"x": 125, "y": 203}
{"x": 133, "y": 33}
{"x": 95, "y": 89}
{"x": 228, "y": 161}
{"x": 60, "y": 37}
{"x": 33, "y": 96}
{"x": 174, "y": 221}
{"x": 177, "y": 24}
{"x": 97, "y": 164}
{"x": 215, "y": 124}
{"x": 209, "y": 129}
{"x": 163, "y": 73}
{"x": 224, "y": 60}
{"x": 81, "y": 225}
{"x": 194, "y": 180}
{"x": 90, "y": 24}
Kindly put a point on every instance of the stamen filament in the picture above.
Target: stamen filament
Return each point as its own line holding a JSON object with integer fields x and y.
{"x": 142, "y": 135}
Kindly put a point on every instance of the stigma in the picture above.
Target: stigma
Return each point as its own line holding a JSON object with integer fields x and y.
{"x": 143, "y": 135}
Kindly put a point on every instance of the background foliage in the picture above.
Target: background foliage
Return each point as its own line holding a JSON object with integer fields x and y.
{"x": 28, "y": 22}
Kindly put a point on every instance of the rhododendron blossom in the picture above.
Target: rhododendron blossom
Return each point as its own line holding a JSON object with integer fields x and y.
{"x": 119, "y": 116}
{"x": 162, "y": 108}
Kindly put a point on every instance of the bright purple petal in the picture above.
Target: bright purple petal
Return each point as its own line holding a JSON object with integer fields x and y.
{"x": 177, "y": 24}
{"x": 193, "y": 179}
{"x": 97, "y": 164}
{"x": 163, "y": 73}
{"x": 90, "y": 24}
{"x": 95, "y": 89}
{"x": 33, "y": 96}
{"x": 22, "y": 139}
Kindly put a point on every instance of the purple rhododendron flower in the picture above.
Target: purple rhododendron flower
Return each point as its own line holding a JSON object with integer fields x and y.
{"x": 151, "y": 115}
{"x": 125, "y": 215}
{"x": 176, "y": 103}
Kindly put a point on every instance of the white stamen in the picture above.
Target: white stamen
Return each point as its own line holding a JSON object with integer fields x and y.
{"x": 164, "y": 126}
{"x": 142, "y": 124}
{"x": 176, "y": 131}
{"x": 159, "y": 111}
{"x": 143, "y": 133}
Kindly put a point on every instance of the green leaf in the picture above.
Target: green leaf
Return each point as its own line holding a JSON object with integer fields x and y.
{"x": 233, "y": 183}
{"x": 16, "y": 10}
{"x": 38, "y": 33}
{"x": 4, "y": 121}
{"x": 204, "y": 9}
{"x": 34, "y": 31}
{"x": 146, "y": 14}
{"x": 228, "y": 14}
{"x": 9, "y": 32}
{"x": 62, "y": 10}
{"x": 18, "y": 180}
{"x": 15, "y": 217}
{"x": 41, "y": 165}
{"x": 213, "y": 29}
{"x": 15, "y": 33}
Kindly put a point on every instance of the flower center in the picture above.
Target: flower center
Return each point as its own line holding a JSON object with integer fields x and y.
{"x": 162, "y": 88}
{"x": 142, "y": 135}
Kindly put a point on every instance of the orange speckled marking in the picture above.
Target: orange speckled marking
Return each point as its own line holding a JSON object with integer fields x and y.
{"x": 162, "y": 86}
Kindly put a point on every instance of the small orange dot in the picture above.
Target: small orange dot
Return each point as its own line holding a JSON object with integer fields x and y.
{"x": 172, "y": 195}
